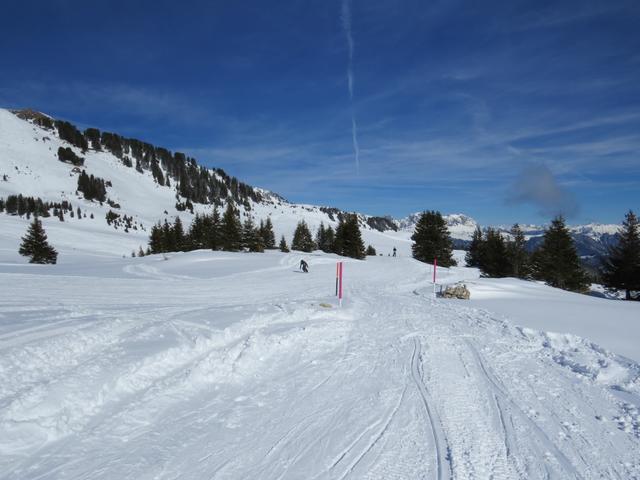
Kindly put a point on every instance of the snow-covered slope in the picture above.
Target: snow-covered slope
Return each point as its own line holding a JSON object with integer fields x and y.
{"x": 29, "y": 166}
{"x": 229, "y": 366}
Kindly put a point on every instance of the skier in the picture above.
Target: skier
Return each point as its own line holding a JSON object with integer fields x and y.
{"x": 304, "y": 266}
{"x": 394, "y": 251}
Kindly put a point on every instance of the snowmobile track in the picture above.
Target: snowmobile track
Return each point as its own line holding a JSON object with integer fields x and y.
{"x": 439, "y": 440}
{"x": 500, "y": 393}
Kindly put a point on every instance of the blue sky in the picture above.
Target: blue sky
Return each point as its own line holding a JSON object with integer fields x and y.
{"x": 507, "y": 111}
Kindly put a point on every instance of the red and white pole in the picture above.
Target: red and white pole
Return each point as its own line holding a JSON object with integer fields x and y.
{"x": 340, "y": 282}
{"x": 435, "y": 267}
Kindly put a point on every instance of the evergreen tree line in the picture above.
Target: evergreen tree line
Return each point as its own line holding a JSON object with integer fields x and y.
{"x": 497, "y": 257}
{"x": 195, "y": 183}
{"x": 556, "y": 260}
{"x": 346, "y": 240}
{"x": 92, "y": 187}
{"x": 229, "y": 233}
{"x": 214, "y": 232}
{"x": 21, "y": 205}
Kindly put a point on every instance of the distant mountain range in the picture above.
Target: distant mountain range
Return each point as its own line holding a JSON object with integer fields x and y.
{"x": 592, "y": 240}
{"x": 41, "y": 157}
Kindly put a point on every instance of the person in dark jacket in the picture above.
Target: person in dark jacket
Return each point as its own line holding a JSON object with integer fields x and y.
{"x": 304, "y": 266}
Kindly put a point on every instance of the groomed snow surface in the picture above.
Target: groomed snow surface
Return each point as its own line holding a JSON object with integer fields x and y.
{"x": 211, "y": 365}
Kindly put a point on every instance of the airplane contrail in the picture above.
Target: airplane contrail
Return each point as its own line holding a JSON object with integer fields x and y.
{"x": 346, "y": 25}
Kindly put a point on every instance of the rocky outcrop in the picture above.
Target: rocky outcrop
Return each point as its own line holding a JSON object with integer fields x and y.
{"x": 459, "y": 290}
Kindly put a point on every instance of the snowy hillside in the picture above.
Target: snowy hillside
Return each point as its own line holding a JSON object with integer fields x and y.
{"x": 29, "y": 166}
{"x": 232, "y": 366}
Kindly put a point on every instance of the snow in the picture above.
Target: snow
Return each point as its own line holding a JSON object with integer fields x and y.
{"x": 614, "y": 325}
{"x": 230, "y": 365}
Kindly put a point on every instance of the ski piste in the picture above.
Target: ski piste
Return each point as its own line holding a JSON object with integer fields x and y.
{"x": 230, "y": 365}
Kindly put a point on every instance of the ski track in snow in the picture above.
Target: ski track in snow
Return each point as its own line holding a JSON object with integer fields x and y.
{"x": 434, "y": 422}
{"x": 155, "y": 373}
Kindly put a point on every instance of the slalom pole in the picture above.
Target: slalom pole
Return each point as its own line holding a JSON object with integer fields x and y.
{"x": 435, "y": 267}
{"x": 340, "y": 283}
{"x": 337, "y": 275}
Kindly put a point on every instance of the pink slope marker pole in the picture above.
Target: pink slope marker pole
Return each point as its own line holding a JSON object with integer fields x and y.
{"x": 337, "y": 275}
{"x": 435, "y": 267}
{"x": 340, "y": 283}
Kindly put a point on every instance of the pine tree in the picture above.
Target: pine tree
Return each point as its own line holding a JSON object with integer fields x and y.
{"x": 197, "y": 236}
{"x": 214, "y": 241}
{"x": 494, "y": 258}
{"x": 325, "y": 238}
{"x": 348, "y": 240}
{"x": 556, "y": 261}
{"x": 621, "y": 267}
{"x": 35, "y": 245}
{"x": 140, "y": 252}
{"x": 231, "y": 230}
{"x": 251, "y": 238}
{"x": 320, "y": 237}
{"x": 518, "y": 255}
{"x": 283, "y": 245}
{"x": 302, "y": 239}
{"x": 179, "y": 239}
{"x": 267, "y": 235}
{"x": 261, "y": 231}
{"x": 329, "y": 240}
{"x": 431, "y": 240}
{"x": 371, "y": 251}
{"x": 473, "y": 257}
{"x": 168, "y": 239}
{"x": 156, "y": 243}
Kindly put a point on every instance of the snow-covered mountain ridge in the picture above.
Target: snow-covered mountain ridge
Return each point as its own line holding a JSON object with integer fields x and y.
{"x": 147, "y": 184}
{"x": 150, "y": 184}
